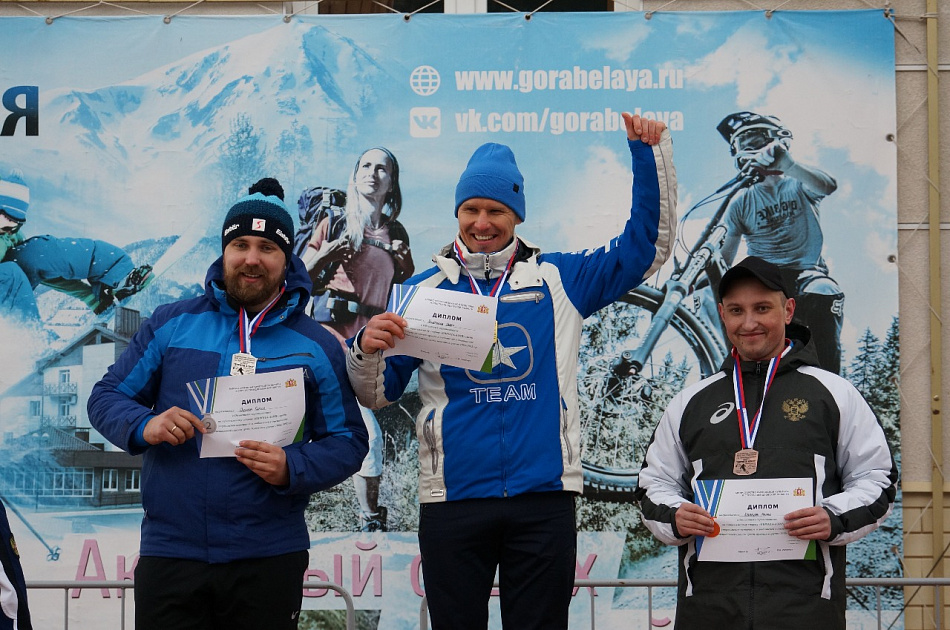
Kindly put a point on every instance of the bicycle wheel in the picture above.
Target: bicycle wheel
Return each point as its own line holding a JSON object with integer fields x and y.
{"x": 620, "y": 409}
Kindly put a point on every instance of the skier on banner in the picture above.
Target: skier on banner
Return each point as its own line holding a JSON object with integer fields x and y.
{"x": 778, "y": 215}
{"x": 93, "y": 271}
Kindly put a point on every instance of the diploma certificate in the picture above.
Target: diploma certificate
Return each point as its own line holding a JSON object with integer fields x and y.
{"x": 751, "y": 517}
{"x": 267, "y": 407}
{"x": 445, "y": 326}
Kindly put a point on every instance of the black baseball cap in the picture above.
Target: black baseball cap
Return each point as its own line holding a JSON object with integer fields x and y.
{"x": 754, "y": 267}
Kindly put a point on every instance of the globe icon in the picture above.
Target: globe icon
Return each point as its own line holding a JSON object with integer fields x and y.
{"x": 425, "y": 80}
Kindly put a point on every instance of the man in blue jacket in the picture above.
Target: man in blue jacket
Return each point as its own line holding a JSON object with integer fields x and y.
{"x": 224, "y": 540}
{"x": 500, "y": 452}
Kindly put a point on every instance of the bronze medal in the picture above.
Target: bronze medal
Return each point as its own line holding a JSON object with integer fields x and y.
{"x": 746, "y": 462}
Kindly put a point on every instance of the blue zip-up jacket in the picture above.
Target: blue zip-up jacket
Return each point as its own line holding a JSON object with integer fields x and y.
{"x": 215, "y": 509}
{"x": 517, "y": 429}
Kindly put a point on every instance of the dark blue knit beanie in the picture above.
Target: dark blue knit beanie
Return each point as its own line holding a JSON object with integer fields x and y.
{"x": 492, "y": 173}
{"x": 259, "y": 215}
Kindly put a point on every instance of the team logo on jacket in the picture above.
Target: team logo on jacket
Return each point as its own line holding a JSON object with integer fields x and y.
{"x": 795, "y": 409}
{"x": 723, "y": 412}
{"x": 512, "y": 361}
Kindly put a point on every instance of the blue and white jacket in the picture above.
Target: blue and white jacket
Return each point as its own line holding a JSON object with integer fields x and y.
{"x": 516, "y": 429}
{"x": 215, "y": 509}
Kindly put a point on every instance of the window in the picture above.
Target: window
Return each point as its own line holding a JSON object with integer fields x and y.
{"x": 110, "y": 479}
{"x": 64, "y": 376}
{"x": 133, "y": 480}
{"x": 69, "y": 482}
{"x": 36, "y": 408}
{"x": 65, "y": 408}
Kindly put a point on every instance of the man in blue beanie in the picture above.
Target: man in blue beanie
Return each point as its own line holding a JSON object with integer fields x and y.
{"x": 224, "y": 540}
{"x": 499, "y": 452}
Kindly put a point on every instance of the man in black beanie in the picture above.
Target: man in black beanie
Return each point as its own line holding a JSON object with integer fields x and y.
{"x": 224, "y": 540}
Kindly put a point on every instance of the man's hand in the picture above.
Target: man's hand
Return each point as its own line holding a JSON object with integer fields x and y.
{"x": 265, "y": 460}
{"x": 646, "y": 130}
{"x": 381, "y": 332}
{"x": 175, "y": 426}
{"x": 809, "y": 524}
{"x": 692, "y": 520}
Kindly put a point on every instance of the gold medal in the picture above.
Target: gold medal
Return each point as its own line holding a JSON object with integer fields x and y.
{"x": 746, "y": 462}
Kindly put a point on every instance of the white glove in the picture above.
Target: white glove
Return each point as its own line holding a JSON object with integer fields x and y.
{"x": 773, "y": 156}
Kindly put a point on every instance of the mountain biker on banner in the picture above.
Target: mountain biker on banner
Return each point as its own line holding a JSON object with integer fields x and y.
{"x": 96, "y": 272}
{"x": 778, "y": 216}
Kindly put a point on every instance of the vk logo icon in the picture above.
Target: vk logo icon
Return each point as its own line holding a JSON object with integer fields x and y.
{"x": 425, "y": 122}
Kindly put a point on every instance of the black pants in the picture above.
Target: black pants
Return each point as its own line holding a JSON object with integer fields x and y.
{"x": 531, "y": 539}
{"x": 172, "y": 594}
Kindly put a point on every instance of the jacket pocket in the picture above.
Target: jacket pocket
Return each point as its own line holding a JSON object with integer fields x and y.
{"x": 522, "y": 296}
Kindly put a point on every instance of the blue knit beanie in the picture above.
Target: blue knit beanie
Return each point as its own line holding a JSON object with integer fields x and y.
{"x": 259, "y": 215}
{"x": 492, "y": 173}
{"x": 14, "y": 197}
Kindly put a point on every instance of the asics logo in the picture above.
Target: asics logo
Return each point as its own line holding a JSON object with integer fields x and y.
{"x": 724, "y": 411}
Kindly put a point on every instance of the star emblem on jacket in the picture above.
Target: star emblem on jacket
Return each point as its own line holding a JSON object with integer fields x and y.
{"x": 500, "y": 354}
{"x": 795, "y": 409}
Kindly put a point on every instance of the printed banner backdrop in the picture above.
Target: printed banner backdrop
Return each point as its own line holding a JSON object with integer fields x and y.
{"x": 134, "y": 136}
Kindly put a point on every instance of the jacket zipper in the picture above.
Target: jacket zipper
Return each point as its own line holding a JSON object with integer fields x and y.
{"x": 567, "y": 442}
{"x": 525, "y": 296}
{"x": 429, "y": 436}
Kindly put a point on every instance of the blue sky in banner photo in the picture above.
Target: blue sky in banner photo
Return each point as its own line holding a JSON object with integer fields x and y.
{"x": 137, "y": 135}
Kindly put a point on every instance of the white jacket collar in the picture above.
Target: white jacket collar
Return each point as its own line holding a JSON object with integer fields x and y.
{"x": 523, "y": 274}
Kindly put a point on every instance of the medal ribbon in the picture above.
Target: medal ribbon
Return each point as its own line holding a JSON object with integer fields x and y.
{"x": 247, "y": 328}
{"x": 707, "y": 494}
{"x": 748, "y": 431}
{"x": 200, "y": 397}
{"x": 498, "y": 283}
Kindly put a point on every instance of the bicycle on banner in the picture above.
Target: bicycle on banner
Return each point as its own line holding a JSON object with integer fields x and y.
{"x": 637, "y": 353}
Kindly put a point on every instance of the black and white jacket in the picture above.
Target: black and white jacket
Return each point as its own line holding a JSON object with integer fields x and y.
{"x": 815, "y": 424}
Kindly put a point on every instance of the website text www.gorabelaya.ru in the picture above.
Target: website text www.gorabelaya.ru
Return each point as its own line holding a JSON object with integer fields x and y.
{"x": 558, "y": 122}
{"x": 576, "y": 78}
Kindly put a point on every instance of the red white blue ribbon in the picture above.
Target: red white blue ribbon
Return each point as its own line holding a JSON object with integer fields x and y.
{"x": 498, "y": 283}
{"x": 749, "y": 430}
{"x": 247, "y": 327}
